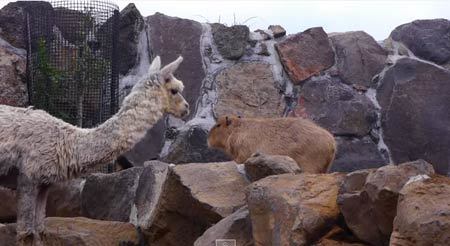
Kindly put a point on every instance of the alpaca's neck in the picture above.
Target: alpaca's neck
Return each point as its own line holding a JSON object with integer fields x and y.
{"x": 139, "y": 112}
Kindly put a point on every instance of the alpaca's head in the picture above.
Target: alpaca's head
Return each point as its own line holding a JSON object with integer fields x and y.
{"x": 174, "y": 102}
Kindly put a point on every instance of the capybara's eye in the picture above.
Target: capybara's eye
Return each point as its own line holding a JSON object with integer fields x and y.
{"x": 218, "y": 125}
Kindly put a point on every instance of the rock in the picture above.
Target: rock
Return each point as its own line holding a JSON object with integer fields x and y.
{"x": 415, "y": 122}
{"x": 13, "y": 88}
{"x": 359, "y": 57}
{"x": 356, "y": 153}
{"x": 64, "y": 199}
{"x": 263, "y": 51}
{"x": 247, "y": 89}
{"x": 423, "y": 213}
{"x": 131, "y": 23}
{"x": 368, "y": 199}
{"x": 336, "y": 107}
{"x": 339, "y": 237}
{"x": 191, "y": 146}
{"x": 277, "y": 31}
{"x": 292, "y": 209}
{"x": 264, "y": 34}
{"x": 259, "y": 166}
{"x": 230, "y": 41}
{"x": 79, "y": 231}
{"x": 236, "y": 226}
{"x": 195, "y": 197}
{"x": 8, "y": 205}
{"x": 427, "y": 39}
{"x": 305, "y": 54}
{"x": 129, "y": 195}
{"x": 13, "y": 20}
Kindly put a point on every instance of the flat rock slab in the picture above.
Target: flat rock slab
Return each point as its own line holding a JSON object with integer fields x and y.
{"x": 248, "y": 89}
{"x": 359, "y": 57}
{"x": 423, "y": 213}
{"x": 415, "y": 117}
{"x": 292, "y": 209}
{"x": 305, "y": 54}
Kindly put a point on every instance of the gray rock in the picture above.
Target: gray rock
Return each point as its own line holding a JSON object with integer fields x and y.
{"x": 64, "y": 199}
{"x": 230, "y": 41}
{"x": 277, "y": 31}
{"x": 305, "y": 54}
{"x": 13, "y": 88}
{"x": 247, "y": 89}
{"x": 131, "y": 23}
{"x": 264, "y": 34}
{"x": 13, "y": 19}
{"x": 259, "y": 166}
{"x": 236, "y": 226}
{"x": 369, "y": 207}
{"x": 191, "y": 146}
{"x": 414, "y": 97}
{"x": 359, "y": 57}
{"x": 336, "y": 107}
{"x": 355, "y": 154}
{"x": 427, "y": 39}
{"x": 8, "y": 205}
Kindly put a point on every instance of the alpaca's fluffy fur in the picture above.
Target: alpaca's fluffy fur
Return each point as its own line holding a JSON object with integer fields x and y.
{"x": 46, "y": 150}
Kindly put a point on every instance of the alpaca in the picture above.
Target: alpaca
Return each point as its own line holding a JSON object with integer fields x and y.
{"x": 311, "y": 146}
{"x": 46, "y": 150}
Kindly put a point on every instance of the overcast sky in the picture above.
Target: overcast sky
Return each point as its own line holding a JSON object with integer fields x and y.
{"x": 378, "y": 18}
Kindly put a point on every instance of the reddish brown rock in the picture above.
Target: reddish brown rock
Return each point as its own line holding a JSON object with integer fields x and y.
{"x": 247, "y": 89}
{"x": 195, "y": 197}
{"x": 259, "y": 166}
{"x": 368, "y": 199}
{"x": 64, "y": 199}
{"x": 292, "y": 209}
{"x": 305, "y": 54}
{"x": 423, "y": 213}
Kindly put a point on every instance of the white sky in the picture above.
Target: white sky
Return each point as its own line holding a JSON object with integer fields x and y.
{"x": 378, "y": 18}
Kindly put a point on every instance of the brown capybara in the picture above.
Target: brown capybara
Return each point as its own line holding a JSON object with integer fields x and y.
{"x": 311, "y": 146}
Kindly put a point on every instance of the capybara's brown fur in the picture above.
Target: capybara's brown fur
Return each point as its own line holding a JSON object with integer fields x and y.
{"x": 311, "y": 146}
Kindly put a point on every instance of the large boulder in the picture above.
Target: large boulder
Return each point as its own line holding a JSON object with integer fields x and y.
{"x": 368, "y": 199}
{"x": 131, "y": 23}
{"x": 305, "y": 54}
{"x": 259, "y": 166}
{"x": 64, "y": 199}
{"x": 248, "y": 89}
{"x": 357, "y": 153}
{"x": 236, "y": 227}
{"x": 8, "y": 205}
{"x": 292, "y": 209}
{"x": 13, "y": 88}
{"x": 79, "y": 231}
{"x": 230, "y": 41}
{"x": 277, "y": 31}
{"x": 359, "y": 57}
{"x": 427, "y": 39}
{"x": 190, "y": 145}
{"x": 336, "y": 107}
{"x": 13, "y": 20}
{"x": 423, "y": 213}
{"x": 413, "y": 96}
{"x": 195, "y": 197}
{"x": 128, "y": 196}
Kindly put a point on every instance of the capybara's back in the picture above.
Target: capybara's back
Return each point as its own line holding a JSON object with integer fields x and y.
{"x": 311, "y": 146}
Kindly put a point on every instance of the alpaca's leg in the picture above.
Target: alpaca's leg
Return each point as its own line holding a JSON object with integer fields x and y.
{"x": 27, "y": 193}
{"x": 41, "y": 204}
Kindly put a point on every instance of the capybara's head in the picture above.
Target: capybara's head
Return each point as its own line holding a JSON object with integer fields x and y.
{"x": 219, "y": 133}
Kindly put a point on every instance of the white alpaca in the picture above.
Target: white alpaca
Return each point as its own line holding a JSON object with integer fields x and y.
{"x": 47, "y": 150}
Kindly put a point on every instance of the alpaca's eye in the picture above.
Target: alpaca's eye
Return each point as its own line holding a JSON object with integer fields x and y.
{"x": 167, "y": 80}
{"x": 174, "y": 91}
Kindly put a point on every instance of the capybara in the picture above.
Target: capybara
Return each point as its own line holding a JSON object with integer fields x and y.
{"x": 311, "y": 146}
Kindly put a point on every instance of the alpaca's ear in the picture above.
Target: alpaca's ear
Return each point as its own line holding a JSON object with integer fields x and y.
{"x": 155, "y": 66}
{"x": 171, "y": 68}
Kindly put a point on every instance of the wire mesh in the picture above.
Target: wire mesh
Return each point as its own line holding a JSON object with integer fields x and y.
{"x": 72, "y": 69}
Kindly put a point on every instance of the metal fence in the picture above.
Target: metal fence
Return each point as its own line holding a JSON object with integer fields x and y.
{"x": 72, "y": 65}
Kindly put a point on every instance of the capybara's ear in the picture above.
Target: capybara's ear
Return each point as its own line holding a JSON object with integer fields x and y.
{"x": 228, "y": 120}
